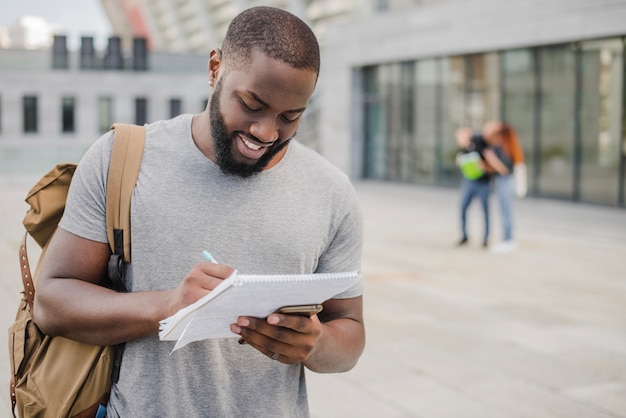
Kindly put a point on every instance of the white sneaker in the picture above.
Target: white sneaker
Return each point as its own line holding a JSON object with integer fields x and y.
{"x": 503, "y": 247}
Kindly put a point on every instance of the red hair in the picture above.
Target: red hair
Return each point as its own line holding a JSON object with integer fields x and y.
{"x": 510, "y": 144}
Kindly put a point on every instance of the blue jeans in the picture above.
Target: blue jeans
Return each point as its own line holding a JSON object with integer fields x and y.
{"x": 469, "y": 190}
{"x": 102, "y": 412}
{"x": 505, "y": 192}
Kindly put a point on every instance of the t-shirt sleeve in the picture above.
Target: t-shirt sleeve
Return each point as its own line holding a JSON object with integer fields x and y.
{"x": 344, "y": 251}
{"x": 85, "y": 208}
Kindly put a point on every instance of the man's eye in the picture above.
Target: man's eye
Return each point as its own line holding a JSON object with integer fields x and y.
{"x": 290, "y": 120}
{"x": 249, "y": 107}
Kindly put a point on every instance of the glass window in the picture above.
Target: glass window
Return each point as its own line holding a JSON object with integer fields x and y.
{"x": 374, "y": 161}
{"x": 400, "y": 154}
{"x": 600, "y": 120}
{"x": 482, "y": 101}
{"x": 140, "y": 54}
{"x": 141, "y": 110}
{"x": 87, "y": 53}
{"x": 176, "y": 107}
{"x": 29, "y": 109}
{"x": 564, "y": 101}
{"x": 389, "y": 80}
{"x": 105, "y": 113}
{"x": 382, "y": 5}
{"x": 67, "y": 114}
{"x": 557, "y": 121}
{"x": 622, "y": 192}
{"x": 518, "y": 101}
{"x": 451, "y": 114}
{"x": 426, "y": 117}
{"x": 60, "y": 53}
{"x": 113, "y": 58}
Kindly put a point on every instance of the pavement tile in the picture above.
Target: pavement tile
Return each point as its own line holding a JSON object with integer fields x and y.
{"x": 459, "y": 332}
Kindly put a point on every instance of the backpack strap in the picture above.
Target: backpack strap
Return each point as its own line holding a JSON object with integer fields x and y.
{"x": 123, "y": 172}
{"x": 27, "y": 277}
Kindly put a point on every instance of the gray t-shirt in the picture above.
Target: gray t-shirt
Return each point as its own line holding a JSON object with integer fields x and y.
{"x": 300, "y": 216}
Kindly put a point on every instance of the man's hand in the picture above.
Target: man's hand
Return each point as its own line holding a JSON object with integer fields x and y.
{"x": 200, "y": 280}
{"x": 329, "y": 342}
{"x": 288, "y": 338}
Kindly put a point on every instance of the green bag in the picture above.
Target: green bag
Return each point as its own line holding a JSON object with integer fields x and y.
{"x": 470, "y": 165}
{"x": 54, "y": 376}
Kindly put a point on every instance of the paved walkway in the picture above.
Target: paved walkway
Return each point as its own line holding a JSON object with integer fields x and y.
{"x": 460, "y": 332}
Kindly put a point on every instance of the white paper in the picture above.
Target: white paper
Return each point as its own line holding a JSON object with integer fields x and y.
{"x": 249, "y": 295}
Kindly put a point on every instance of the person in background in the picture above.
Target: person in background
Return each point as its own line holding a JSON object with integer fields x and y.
{"x": 477, "y": 173}
{"x": 503, "y": 139}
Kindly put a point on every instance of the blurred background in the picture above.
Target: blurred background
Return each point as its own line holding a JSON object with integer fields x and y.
{"x": 451, "y": 333}
{"x": 398, "y": 77}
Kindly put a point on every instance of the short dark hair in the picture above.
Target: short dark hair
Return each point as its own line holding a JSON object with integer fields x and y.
{"x": 276, "y": 33}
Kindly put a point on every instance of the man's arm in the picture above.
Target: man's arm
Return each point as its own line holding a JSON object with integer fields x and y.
{"x": 71, "y": 299}
{"x": 329, "y": 342}
{"x": 342, "y": 339}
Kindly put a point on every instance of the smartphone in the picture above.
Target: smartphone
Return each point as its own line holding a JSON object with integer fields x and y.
{"x": 305, "y": 310}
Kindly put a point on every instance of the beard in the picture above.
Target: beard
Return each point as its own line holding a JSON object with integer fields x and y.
{"x": 223, "y": 143}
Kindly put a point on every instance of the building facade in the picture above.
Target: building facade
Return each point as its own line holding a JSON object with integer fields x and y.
{"x": 395, "y": 87}
{"x": 55, "y": 103}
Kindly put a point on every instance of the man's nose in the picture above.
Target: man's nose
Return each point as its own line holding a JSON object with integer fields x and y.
{"x": 265, "y": 130}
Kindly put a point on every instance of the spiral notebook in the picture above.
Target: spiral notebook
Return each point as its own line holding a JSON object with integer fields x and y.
{"x": 249, "y": 295}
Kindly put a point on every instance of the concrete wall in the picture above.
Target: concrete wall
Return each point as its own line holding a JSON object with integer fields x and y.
{"x": 87, "y": 87}
{"x": 443, "y": 29}
{"x": 25, "y": 152}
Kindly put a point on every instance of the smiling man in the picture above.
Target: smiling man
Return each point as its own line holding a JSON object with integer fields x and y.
{"x": 232, "y": 180}
{"x": 263, "y": 126}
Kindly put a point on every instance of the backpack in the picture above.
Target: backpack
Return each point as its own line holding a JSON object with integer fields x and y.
{"x": 56, "y": 376}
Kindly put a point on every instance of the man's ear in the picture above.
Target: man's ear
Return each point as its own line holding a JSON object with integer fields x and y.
{"x": 215, "y": 63}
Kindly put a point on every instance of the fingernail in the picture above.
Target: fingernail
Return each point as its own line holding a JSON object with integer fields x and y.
{"x": 272, "y": 320}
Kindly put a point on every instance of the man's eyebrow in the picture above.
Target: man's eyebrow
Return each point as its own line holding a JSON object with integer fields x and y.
{"x": 258, "y": 99}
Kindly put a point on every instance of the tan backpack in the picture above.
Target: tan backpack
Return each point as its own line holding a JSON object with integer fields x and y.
{"x": 54, "y": 376}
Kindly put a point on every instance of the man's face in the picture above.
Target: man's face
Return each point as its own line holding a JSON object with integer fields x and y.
{"x": 223, "y": 142}
{"x": 254, "y": 112}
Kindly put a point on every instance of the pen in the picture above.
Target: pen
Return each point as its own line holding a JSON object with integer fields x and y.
{"x": 207, "y": 255}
